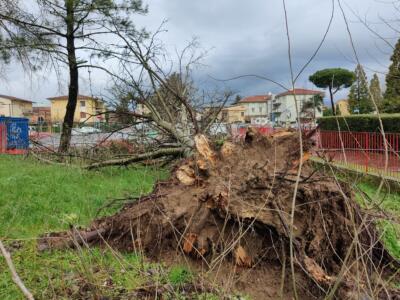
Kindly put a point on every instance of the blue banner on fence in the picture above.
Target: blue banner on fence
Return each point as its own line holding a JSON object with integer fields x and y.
{"x": 17, "y": 132}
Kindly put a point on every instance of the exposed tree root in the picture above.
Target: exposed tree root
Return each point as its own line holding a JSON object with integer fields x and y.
{"x": 234, "y": 206}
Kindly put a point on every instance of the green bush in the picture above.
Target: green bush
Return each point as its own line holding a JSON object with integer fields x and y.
{"x": 361, "y": 123}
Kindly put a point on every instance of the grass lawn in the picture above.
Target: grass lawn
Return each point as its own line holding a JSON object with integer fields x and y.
{"x": 37, "y": 198}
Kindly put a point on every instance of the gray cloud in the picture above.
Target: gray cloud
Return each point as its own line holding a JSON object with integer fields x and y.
{"x": 247, "y": 38}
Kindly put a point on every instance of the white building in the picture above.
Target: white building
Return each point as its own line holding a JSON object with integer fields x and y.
{"x": 283, "y": 109}
{"x": 257, "y": 108}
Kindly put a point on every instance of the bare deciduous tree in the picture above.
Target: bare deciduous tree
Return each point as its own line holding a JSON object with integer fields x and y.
{"x": 164, "y": 90}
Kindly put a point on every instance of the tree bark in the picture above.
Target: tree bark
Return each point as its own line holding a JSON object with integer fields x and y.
{"x": 137, "y": 158}
{"x": 332, "y": 104}
{"x": 73, "y": 80}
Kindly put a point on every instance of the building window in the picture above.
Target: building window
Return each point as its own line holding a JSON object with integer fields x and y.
{"x": 260, "y": 109}
{"x": 83, "y": 115}
{"x": 242, "y": 113}
{"x": 253, "y": 109}
{"x": 83, "y": 103}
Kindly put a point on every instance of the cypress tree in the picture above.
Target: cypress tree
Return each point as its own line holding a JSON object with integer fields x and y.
{"x": 359, "y": 98}
{"x": 393, "y": 76}
{"x": 375, "y": 90}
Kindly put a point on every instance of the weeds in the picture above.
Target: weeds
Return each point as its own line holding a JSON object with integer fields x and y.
{"x": 179, "y": 275}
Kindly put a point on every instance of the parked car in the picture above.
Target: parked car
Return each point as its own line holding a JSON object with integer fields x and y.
{"x": 85, "y": 130}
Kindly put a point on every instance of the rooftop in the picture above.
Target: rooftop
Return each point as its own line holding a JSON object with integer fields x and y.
{"x": 256, "y": 99}
{"x": 235, "y": 107}
{"x": 300, "y": 92}
{"x": 12, "y": 98}
{"x": 80, "y": 97}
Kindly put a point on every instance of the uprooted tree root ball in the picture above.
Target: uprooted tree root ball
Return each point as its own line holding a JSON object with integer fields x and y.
{"x": 232, "y": 207}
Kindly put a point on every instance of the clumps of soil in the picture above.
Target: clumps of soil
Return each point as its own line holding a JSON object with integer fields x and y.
{"x": 231, "y": 210}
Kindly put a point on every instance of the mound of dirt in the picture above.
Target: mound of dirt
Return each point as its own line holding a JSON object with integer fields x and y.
{"x": 232, "y": 208}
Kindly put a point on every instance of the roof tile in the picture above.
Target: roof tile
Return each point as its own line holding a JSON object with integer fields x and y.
{"x": 14, "y": 98}
{"x": 80, "y": 97}
{"x": 256, "y": 99}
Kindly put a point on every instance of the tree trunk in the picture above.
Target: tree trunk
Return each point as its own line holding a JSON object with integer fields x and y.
{"x": 332, "y": 104}
{"x": 137, "y": 158}
{"x": 73, "y": 81}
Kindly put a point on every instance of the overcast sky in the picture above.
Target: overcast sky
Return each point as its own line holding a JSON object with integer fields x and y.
{"x": 245, "y": 37}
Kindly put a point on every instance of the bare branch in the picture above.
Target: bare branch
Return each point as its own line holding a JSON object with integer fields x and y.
{"x": 17, "y": 280}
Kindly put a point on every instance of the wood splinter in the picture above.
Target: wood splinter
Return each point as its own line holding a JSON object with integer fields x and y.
{"x": 242, "y": 259}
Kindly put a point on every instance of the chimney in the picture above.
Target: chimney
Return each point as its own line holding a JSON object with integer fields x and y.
{"x": 271, "y": 95}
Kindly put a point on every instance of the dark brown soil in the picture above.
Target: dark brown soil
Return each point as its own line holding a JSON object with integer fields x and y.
{"x": 230, "y": 212}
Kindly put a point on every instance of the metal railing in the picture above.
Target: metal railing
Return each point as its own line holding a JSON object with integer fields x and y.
{"x": 361, "y": 151}
{"x": 364, "y": 151}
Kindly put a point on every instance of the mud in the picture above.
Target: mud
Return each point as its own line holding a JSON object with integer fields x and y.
{"x": 228, "y": 213}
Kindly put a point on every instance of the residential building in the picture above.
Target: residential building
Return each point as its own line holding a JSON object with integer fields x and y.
{"x": 15, "y": 107}
{"x": 257, "y": 107}
{"x": 41, "y": 115}
{"x": 234, "y": 114}
{"x": 283, "y": 108}
{"x": 88, "y": 109}
{"x": 208, "y": 111}
{"x": 342, "y": 106}
{"x": 142, "y": 109}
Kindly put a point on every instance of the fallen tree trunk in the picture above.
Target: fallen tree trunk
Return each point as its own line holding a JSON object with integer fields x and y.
{"x": 235, "y": 205}
{"x": 137, "y": 158}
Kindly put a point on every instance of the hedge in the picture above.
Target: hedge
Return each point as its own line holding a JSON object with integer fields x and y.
{"x": 361, "y": 123}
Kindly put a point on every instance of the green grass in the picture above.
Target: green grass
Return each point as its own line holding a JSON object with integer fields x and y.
{"x": 37, "y": 198}
{"x": 390, "y": 203}
{"x": 179, "y": 275}
{"x": 72, "y": 274}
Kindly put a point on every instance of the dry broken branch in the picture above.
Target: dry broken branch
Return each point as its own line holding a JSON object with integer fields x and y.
{"x": 137, "y": 158}
{"x": 17, "y": 280}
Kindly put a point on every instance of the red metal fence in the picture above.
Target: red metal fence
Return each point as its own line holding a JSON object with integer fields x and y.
{"x": 364, "y": 151}
{"x": 239, "y": 131}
